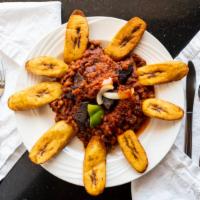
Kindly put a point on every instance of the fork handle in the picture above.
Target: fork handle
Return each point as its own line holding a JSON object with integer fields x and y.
{"x": 188, "y": 134}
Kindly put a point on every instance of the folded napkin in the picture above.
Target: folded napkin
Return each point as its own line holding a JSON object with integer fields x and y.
{"x": 21, "y": 26}
{"x": 177, "y": 177}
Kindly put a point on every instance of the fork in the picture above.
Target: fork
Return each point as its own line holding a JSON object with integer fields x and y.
{"x": 199, "y": 92}
{"x": 2, "y": 78}
{"x": 199, "y": 99}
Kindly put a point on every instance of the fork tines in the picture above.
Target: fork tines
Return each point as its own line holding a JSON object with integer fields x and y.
{"x": 2, "y": 75}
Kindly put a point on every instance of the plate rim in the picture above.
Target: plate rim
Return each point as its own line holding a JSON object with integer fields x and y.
{"x": 104, "y": 17}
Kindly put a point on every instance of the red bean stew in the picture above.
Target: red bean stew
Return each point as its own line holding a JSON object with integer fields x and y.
{"x": 81, "y": 85}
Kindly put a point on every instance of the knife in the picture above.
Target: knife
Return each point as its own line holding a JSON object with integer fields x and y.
{"x": 190, "y": 92}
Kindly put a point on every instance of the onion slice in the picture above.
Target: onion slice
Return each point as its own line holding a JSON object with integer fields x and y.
{"x": 108, "y": 85}
{"x": 108, "y": 81}
{"x": 111, "y": 95}
{"x": 125, "y": 94}
{"x": 102, "y": 91}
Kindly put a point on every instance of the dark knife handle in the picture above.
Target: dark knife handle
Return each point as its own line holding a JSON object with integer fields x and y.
{"x": 188, "y": 135}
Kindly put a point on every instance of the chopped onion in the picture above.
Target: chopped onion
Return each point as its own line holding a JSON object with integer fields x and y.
{"x": 102, "y": 91}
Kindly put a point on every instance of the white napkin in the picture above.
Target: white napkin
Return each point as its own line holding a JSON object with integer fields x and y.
{"x": 177, "y": 177}
{"x": 192, "y": 52}
{"x": 21, "y": 26}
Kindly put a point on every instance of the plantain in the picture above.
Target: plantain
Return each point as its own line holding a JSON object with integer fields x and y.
{"x": 76, "y": 38}
{"x": 161, "y": 109}
{"x": 126, "y": 39}
{"x": 94, "y": 170}
{"x": 162, "y": 72}
{"x": 133, "y": 150}
{"x": 47, "y": 66}
{"x": 35, "y": 96}
{"x": 51, "y": 142}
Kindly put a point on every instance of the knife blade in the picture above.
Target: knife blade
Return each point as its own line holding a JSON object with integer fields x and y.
{"x": 190, "y": 92}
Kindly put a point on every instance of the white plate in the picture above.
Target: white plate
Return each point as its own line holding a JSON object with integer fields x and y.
{"x": 157, "y": 138}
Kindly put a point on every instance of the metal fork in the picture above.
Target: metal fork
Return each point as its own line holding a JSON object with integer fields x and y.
{"x": 2, "y": 78}
{"x": 199, "y": 99}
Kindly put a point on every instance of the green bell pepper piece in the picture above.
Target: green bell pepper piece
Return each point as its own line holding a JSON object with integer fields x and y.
{"x": 96, "y": 114}
{"x": 95, "y": 119}
{"x": 92, "y": 109}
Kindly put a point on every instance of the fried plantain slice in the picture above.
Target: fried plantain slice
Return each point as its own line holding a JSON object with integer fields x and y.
{"x": 94, "y": 170}
{"x": 126, "y": 39}
{"x": 47, "y": 66}
{"x": 160, "y": 109}
{"x": 162, "y": 72}
{"x": 35, "y": 96}
{"x": 51, "y": 142}
{"x": 76, "y": 38}
{"x": 133, "y": 150}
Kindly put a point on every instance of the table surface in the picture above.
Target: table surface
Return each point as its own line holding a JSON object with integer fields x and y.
{"x": 174, "y": 23}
